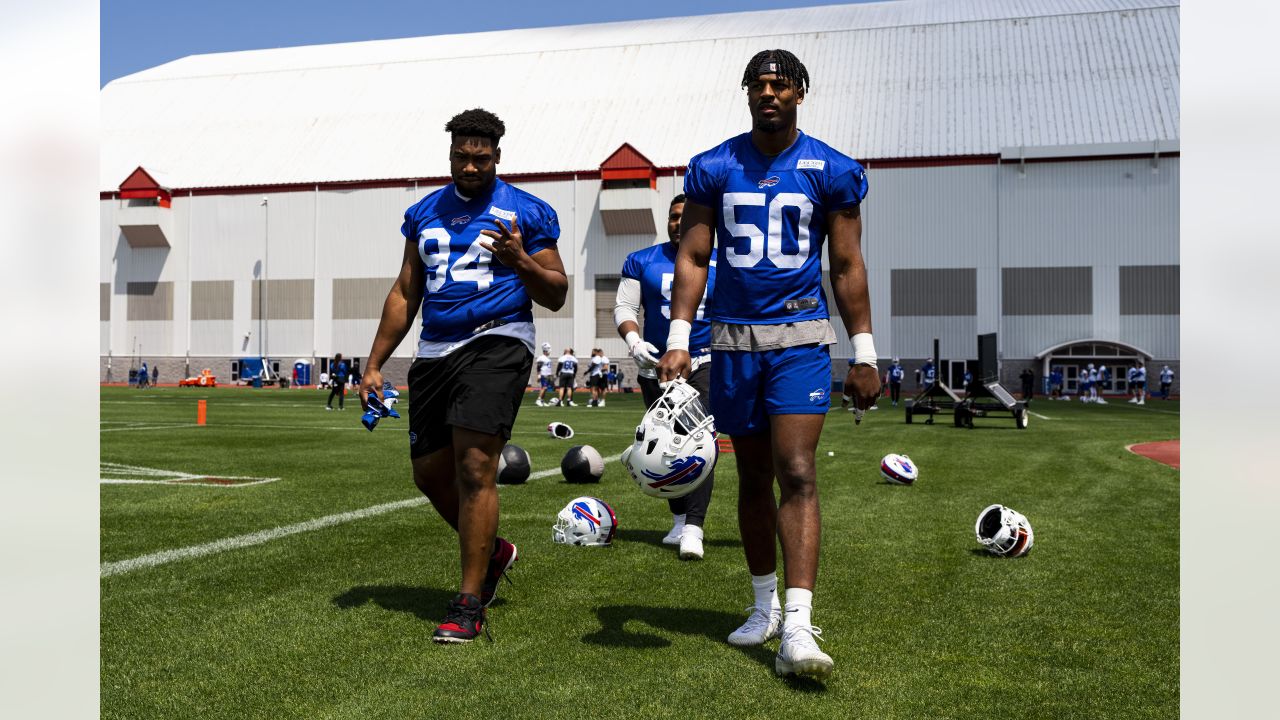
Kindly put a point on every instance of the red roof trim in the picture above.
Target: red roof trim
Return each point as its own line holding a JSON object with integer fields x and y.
{"x": 670, "y": 170}
{"x": 140, "y": 179}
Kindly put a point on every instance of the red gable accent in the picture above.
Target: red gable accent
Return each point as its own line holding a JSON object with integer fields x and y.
{"x": 626, "y": 158}
{"x": 140, "y": 184}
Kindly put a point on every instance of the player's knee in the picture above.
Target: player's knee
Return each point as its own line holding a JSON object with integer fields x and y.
{"x": 797, "y": 475}
{"x": 475, "y": 470}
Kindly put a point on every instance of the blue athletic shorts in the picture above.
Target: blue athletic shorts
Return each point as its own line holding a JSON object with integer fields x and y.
{"x": 545, "y": 381}
{"x": 748, "y": 387}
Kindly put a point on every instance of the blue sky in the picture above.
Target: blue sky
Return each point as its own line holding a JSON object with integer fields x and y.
{"x": 137, "y": 35}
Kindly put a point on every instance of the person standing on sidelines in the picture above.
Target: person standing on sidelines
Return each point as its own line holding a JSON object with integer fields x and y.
{"x": 896, "y": 375}
{"x": 1028, "y": 378}
{"x": 1140, "y": 383}
{"x": 338, "y": 382}
{"x": 1166, "y": 381}
{"x": 477, "y": 254}
{"x": 647, "y": 277}
{"x": 566, "y": 370}
{"x": 929, "y": 373}
{"x": 143, "y": 377}
{"x": 772, "y": 197}
{"x": 545, "y": 369}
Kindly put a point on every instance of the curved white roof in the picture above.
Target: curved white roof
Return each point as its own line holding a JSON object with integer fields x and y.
{"x": 905, "y": 79}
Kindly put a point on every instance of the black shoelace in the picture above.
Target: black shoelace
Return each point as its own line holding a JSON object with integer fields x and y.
{"x": 463, "y": 616}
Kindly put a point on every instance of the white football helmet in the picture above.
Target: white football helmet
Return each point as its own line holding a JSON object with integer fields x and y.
{"x": 675, "y": 448}
{"x": 585, "y": 521}
{"x": 1004, "y": 531}
{"x": 559, "y": 431}
{"x": 899, "y": 469}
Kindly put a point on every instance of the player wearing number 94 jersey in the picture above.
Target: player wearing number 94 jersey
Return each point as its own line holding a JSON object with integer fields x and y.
{"x": 773, "y": 197}
{"x": 478, "y": 252}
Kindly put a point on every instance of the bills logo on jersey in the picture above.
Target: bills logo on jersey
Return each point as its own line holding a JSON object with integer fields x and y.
{"x": 768, "y": 182}
{"x": 683, "y": 471}
{"x": 580, "y": 510}
{"x": 460, "y": 220}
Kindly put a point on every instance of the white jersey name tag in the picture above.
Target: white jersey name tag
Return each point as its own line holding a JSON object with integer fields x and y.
{"x": 810, "y": 164}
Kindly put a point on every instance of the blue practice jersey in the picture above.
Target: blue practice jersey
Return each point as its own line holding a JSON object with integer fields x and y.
{"x": 465, "y": 289}
{"x": 655, "y": 268}
{"x": 896, "y": 373}
{"x": 771, "y": 224}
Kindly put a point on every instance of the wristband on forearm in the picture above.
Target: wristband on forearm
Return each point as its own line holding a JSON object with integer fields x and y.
{"x": 678, "y": 335}
{"x": 864, "y": 349}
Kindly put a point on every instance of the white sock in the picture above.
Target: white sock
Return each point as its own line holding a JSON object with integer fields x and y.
{"x": 677, "y": 521}
{"x": 766, "y": 589}
{"x": 799, "y": 607}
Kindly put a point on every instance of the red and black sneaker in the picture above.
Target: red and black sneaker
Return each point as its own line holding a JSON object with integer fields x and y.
{"x": 499, "y": 563}
{"x": 463, "y": 622}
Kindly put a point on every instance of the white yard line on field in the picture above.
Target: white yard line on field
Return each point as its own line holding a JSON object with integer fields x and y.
{"x": 120, "y": 567}
{"x": 1042, "y": 417}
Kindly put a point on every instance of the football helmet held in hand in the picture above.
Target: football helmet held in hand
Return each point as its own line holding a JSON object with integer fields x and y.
{"x": 675, "y": 448}
{"x": 585, "y": 521}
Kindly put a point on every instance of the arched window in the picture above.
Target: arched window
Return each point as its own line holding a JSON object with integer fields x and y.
{"x": 1074, "y": 356}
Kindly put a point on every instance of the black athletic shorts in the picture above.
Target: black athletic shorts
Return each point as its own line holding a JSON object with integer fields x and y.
{"x": 700, "y": 380}
{"x": 479, "y": 387}
{"x": 600, "y": 382}
{"x": 566, "y": 381}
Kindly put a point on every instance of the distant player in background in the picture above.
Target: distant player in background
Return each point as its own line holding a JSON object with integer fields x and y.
{"x": 143, "y": 377}
{"x": 1028, "y": 378}
{"x": 647, "y": 277}
{"x": 477, "y": 254}
{"x": 928, "y": 373}
{"x": 1166, "y": 381}
{"x": 1100, "y": 384}
{"x": 1056, "y": 381}
{"x": 545, "y": 367}
{"x": 566, "y": 370}
{"x": 338, "y": 382}
{"x": 772, "y": 198}
{"x": 1140, "y": 383}
{"x": 896, "y": 374}
{"x": 1086, "y": 386}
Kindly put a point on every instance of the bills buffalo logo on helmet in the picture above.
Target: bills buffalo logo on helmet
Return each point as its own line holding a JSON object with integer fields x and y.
{"x": 460, "y": 220}
{"x": 768, "y": 182}
{"x": 683, "y": 471}
{"x": 580, "y": 510}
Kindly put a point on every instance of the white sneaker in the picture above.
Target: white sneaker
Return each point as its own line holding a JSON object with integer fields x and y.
{"x": 601, "y": 404}
{"x": 874, "y": 407}
{"x": 691, "y": 543}
{"x": 760, "y": 628}
{"x": 1142, "y": 402}
{"x": 1100, "y": 401}
{"x": 573, "y": 404}
{"x": 673, "y": 537}
{"x": 539, "y": 403}
{"x": 799, "y": 653}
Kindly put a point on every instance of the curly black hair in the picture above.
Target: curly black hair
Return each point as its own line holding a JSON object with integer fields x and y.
{"x": 476, "y": 122}
{"x": 789, "y": 67}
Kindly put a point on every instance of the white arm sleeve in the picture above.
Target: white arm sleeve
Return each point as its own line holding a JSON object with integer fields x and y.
{"x": 627, "y": 306}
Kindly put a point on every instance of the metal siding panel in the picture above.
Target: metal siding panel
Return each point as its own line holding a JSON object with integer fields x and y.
{"x": 957, "y": 337}
{"x": 1149, "y": 289}
{"x": 566, "y": 311}
{"x": 1159, "y": 335}
{"x": 104, "y": 302}
{"x": 1047, "y": 291}
{"x": 216, "y": 337}
{"x": 212, "y": 300}
{"x": 935, "y": 291}
{"x": 150, "y": 301}
{"x": 1025, "y": 336}
{"x": 606, "y": 294}
{"x": 360, "y": 298}
{"x": 931, "y": 217}
{"x": 285, "y": 300}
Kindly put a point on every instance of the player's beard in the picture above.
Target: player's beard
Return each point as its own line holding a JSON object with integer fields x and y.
{"x": 770, "y": 125}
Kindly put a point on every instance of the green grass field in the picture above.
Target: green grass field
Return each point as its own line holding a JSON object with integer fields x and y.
{"x": 334, "y": 620}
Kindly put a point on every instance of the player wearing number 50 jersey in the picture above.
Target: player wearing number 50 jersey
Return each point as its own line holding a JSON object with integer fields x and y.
{"x": 773, "y": 198}
{"x": 647, "y": 277}
{"x": 478, "y": 253}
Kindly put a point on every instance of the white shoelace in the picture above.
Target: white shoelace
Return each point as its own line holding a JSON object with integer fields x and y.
{"x": 758, "y": 621}
{"x": 788, "y": 631}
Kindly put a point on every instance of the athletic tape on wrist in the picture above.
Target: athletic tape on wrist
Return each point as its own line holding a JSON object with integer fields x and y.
{"x": 864, "y": 349}
{"x": 631, "y": 339}
{"x": 678, "y": 335}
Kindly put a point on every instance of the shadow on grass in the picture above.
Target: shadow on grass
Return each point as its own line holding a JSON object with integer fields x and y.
{"x": 710, "y": 624}
{"x": 654, "y": 537}
{"x": 424, "y": 603}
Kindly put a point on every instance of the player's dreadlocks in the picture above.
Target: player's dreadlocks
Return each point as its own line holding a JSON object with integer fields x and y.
{"x": 785, "y": 65}
{"x": 476, "y": 123}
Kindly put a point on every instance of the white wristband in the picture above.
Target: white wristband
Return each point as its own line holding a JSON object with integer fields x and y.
{"x": 678, "y": 335}
{"x": 864, "y": 349}
{"x": 631, "y": 339}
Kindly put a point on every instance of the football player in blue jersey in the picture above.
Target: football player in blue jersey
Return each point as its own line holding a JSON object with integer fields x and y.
{"x": 647, "y": 276}
{"x": 478, "y": 252}
{"x": 773, "y": 197}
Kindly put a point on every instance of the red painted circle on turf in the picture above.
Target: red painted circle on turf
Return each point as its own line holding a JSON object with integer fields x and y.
{"x": 1168, "y": 452}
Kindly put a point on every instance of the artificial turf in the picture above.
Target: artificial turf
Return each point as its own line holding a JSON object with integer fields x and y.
{"x": 336, "y": 622}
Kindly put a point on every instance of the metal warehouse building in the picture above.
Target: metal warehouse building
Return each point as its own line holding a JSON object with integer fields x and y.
{"x": 1022, "y": 157}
